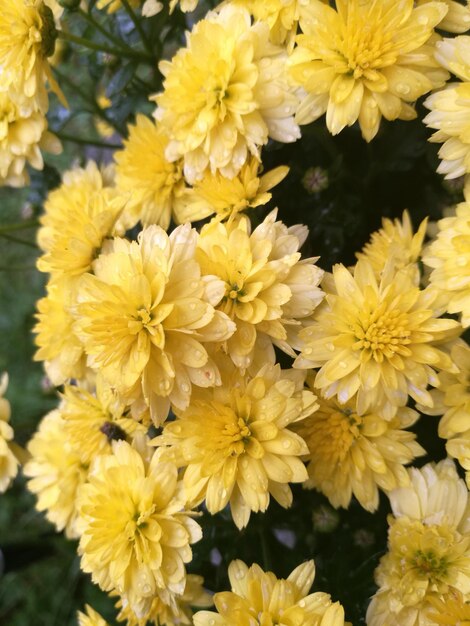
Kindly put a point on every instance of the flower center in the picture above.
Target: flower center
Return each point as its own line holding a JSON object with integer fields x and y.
{"x": 234, "y": 291}
{"x": 235, "y": 435}
{"x": 429, "y": 564}
{"x": 384, "y": 334}
{"x": 334, "y": 433}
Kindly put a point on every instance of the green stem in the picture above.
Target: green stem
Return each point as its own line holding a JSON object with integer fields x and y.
{"x": 93, "y": 22}
{"x": 18, "y": 240}
{"x": 99, "y": 47}
{"x": 138, "y": 25}
{"x": 87, "y": 142}
{"x": 9, "y": 228}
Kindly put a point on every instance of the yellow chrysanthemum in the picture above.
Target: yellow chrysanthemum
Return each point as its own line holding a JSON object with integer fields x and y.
{"x": 269, "y": 291}
{"x": 356, "y": 454}
{"x": 27, "y": 38}
{"x": 452, "y": 401}
{"x": 58, "y": 346}
{"x": 235, "y": 443}
{"x": 93, "y": 421}
{"x": 178, "y": 611}
{"x": 22, "y": 137}
{"x": 364, "y": 60}
{"x": 145, "y": 314}
{"x": 79, "y": 187}
{"x": 56, "y": 473}
{"x": 226, "y": 197}
{"x": 449, "y": 257}
{"x": 457, "y": 18}
{"x": 151, "y": 184}
{"x": 258, "y": 597}
{"x": 429, "y": 547}
{"x": 450, "y": 611}
{"x": 225, "y": 94}
{"x": 112, "y": 6}
{"x": 450, "y": 109}
{"x": 136, "y": 532}
{"x": 377, "y": 338}
{"x": 395, "y": 239}
{"x": 8, "y": 459}
{"x": 91, "y": 618}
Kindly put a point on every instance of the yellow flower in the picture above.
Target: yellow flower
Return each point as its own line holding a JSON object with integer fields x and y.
{"x": 8, "y": 459}
{"x": 58, "y": 346}
{"x": 178, "y": 611}
{"x": 185, "y": 5}
{"x": 235, "y": 443}
{"x": 457, "y": 18}
{"x": 365, "y": 60}
{"x": 91, "y": 618}
{"x": 27, "y": 38}
{"x": 258, "y": 597}
{"x": 22, "y": 137}
{"x": 356, "y": 454}
{"x": 152, "y": 185}
{"x": 449, "y": 257}
{"x": 145, "y": 315}
{"x": 269, "y": 292}
{"x": 452, "y": 401}
{"x": 56, "y": 473}
{"x": 136, "y": 532}
{"x": 377, "y": 338}
{"x": 429, "y": 547}
{"x": 112, "y": 6}
{"x": 395, "y": 239}
{"x": 450, "y": 109}
{"x": 450, "y": 611}
{"x": 79, "y": 186}
{"x": 93, "y": 421}
{"x": 226, "y": 197}
{"x": 225, "y": 94}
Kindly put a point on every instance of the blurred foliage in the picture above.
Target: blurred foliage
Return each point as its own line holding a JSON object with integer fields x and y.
{"x": 41, "y": 581}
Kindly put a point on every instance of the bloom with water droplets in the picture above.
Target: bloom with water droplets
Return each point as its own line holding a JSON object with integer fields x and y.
{"x": 225, "y": 94}
{"x": 90, "y": 618}
{"x": 258, "y": 597}
{"x": 395, "y": 239}
{"x": 429, "y": 548}
{"x": 236, "y": 444}
{"x": 449, "y": 257}
{"x": 136, "y": 531}
{"x": 379, "y": 338}
{"x": 145, "y": 315}
{"x": 356, "y": 454}
{"x": 226, "y": 197}
{"x": 55, "y": 473}
{"x": 452, "y": 401}
{"x": 269, "y": 292}
{"x": 152, "y": 185}
{"x": 365, "y": 60}
{"x": 177, "y": 609}
{"x": 8, "y": 459}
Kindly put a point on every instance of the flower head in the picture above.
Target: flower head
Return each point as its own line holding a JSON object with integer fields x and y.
{"x": 27, "y": 38}
{"x": 226, "y": 197}
{"x": 136, "y": 531}
{"x": 152, "y": 185}
{"x": 450, "y": 107}
{"x": 235, "y": 443}
{"x": 56, "y": 472}
{"x": 260, "y": 597}
{"x": 268, "y": 290}
{"x": 8, "y": 459}
{"x": 395, "y": 239}
{"x": 378, "y": 338}
{"x": 365, "y": 60}
{"x": 356, "y": 454}
{"x": 449, "y": 257}
{"x": 145, "y": 315}
{"x": 225, "y": 94}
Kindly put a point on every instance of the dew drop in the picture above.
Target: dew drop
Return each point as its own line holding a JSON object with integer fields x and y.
{"x": 192, "y": 306}
{"x": 330, "y": 346}
{"x": 239, "y": 575}
{"x": 185, "y": 388}
{"x": 286, "y": 444}
{"x": 343, "y": 364}
{"x": 403, "y": 89}
{"x": 146, "y": 589}
{"x": 302, "y": 603}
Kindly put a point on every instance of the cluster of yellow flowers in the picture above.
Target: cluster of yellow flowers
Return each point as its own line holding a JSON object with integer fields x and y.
{"x": 181, "y": 330}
